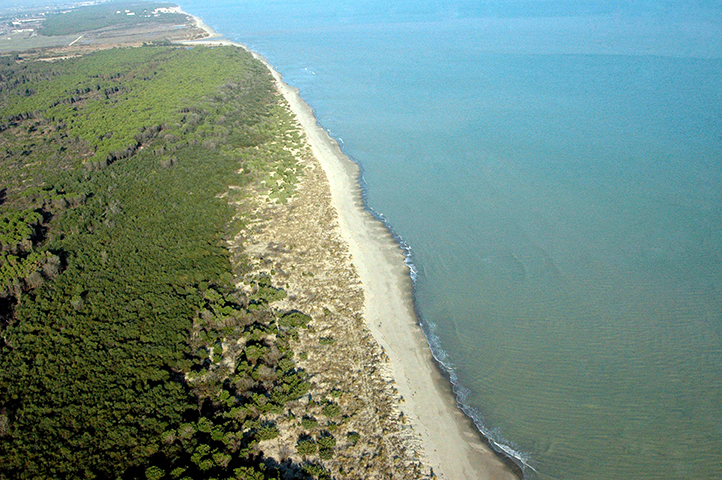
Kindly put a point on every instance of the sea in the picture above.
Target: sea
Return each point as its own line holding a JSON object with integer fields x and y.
{"x": 553, "y": 169}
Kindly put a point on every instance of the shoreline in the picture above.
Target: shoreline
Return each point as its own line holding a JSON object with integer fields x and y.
{"x": 452, "y": 444}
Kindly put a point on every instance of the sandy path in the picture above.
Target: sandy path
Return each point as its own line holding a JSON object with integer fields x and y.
{"x": 451, "y": 442}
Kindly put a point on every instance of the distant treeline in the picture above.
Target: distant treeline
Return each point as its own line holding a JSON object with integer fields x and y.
{"x": 125, "y": 350}
{"x": 108, "y": 15}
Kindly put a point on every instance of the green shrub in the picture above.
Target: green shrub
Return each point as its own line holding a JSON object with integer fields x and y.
{"x": 326, "y": 441}
{"x": 331, "y": 410}
{"x": 306, "y": 447}
{"x": 353, "y": 437}
{"x": 294, "y": 319}
{"x": 308, "y": 423}
{"x": 316, "y": 471}
{"x": 267, "y": 432}
{"x": 176, "y": 473}
{"x": 286, "y": 365}
{"x": 154, "y": 473}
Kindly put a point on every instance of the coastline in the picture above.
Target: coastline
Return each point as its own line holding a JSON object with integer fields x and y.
{"x": 451, "y": 444}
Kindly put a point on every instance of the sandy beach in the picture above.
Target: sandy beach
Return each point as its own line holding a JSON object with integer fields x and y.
{"x": 451, "y": 445}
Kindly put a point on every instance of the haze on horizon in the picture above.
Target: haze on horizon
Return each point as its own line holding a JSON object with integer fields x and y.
{"x": 685, "y": 28}
{"x": 682, "y": 28}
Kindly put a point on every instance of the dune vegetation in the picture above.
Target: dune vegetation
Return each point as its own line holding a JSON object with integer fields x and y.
{"x": 127, "y": 351}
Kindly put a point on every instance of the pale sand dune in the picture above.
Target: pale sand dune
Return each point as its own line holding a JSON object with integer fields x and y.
{"x": 452, "y": 444}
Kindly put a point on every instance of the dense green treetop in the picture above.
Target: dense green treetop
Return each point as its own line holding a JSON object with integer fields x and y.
{"x": 125, "y": 350}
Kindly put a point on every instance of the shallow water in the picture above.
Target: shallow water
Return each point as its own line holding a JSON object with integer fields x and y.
{"x": 558, "y": 177}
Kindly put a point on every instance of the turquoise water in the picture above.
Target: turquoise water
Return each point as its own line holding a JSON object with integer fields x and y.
{"x": 556, "y": 170}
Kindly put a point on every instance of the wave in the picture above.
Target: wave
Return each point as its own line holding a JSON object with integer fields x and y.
{"x": 443, "y": 360}
{"x": 492, "y": 436}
